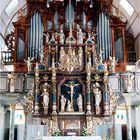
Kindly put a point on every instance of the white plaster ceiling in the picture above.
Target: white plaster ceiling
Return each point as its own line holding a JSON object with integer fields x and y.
{"x": 133, "y": 22}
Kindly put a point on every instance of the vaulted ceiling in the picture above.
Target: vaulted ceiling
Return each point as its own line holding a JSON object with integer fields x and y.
{"x": 10, "y": 7}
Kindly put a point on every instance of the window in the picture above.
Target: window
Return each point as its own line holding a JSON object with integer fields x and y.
{"x": 11, "y": 6}
{"x": 127, "y": 6}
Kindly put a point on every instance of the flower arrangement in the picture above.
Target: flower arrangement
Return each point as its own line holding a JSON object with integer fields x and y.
{"x": 57, "y": 132}
{"x": 85, "y": 132}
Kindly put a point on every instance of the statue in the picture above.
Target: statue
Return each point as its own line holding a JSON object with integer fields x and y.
{"x": 101, "y": 56}
{"x": 71, "y": 85}
{"x": 45, "y": 95}
{"x": 128, "y": 82}
{"x": 80, "y": 103}
{"x": 80, "y": 55}
{"x": 70, "y": 106}
{"x": 29, "y": 65}
{"x": 98, "y": 98}
{"x": 112, "y": 63}
{"x": 12, "y": 80}
{"x": 41, "y": 55}
{"x": 80, "y": 37}
{"x": 46, "y": 37}
{"x": 62, "y": 53}
{"x": 62, "y": 37}
{"x": 63, "y": 103}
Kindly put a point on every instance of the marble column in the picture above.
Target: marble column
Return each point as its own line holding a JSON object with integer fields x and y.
{"x": 12, "y": 117}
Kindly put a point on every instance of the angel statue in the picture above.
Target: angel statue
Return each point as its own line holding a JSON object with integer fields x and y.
{"x": 28, "y": 61}
{"x": 12, "y": 81}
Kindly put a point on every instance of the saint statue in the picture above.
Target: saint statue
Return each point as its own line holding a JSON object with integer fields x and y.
{"x": 80, "y": 36}
{"x": 63, "y": 103}
{"x": 80, "y": 103}
{"x": 28, "y": 61}
{"x": 12, "y": 80}
{"x": 45, "y": 95}
{"x": 69, "y": 106}
{"x": 98, "y": 96}
{"x": 62, "y": 37}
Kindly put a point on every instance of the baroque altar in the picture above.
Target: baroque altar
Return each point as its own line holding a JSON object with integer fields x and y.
{"x": 71, "y": 90}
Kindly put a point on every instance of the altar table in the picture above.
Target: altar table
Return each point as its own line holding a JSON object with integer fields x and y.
{"x": 72, "y": 138}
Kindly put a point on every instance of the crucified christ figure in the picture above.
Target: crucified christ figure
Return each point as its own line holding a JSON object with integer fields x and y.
{"x": 71, "y": 85}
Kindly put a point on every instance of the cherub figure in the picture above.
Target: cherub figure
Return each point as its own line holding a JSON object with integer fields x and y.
{"x": 29, "y": 65}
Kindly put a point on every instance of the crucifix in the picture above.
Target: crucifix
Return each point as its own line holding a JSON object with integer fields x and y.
{"x": 71, "y": 85}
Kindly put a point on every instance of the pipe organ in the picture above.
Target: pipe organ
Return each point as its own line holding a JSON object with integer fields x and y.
{"x": 42, "y": 19}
